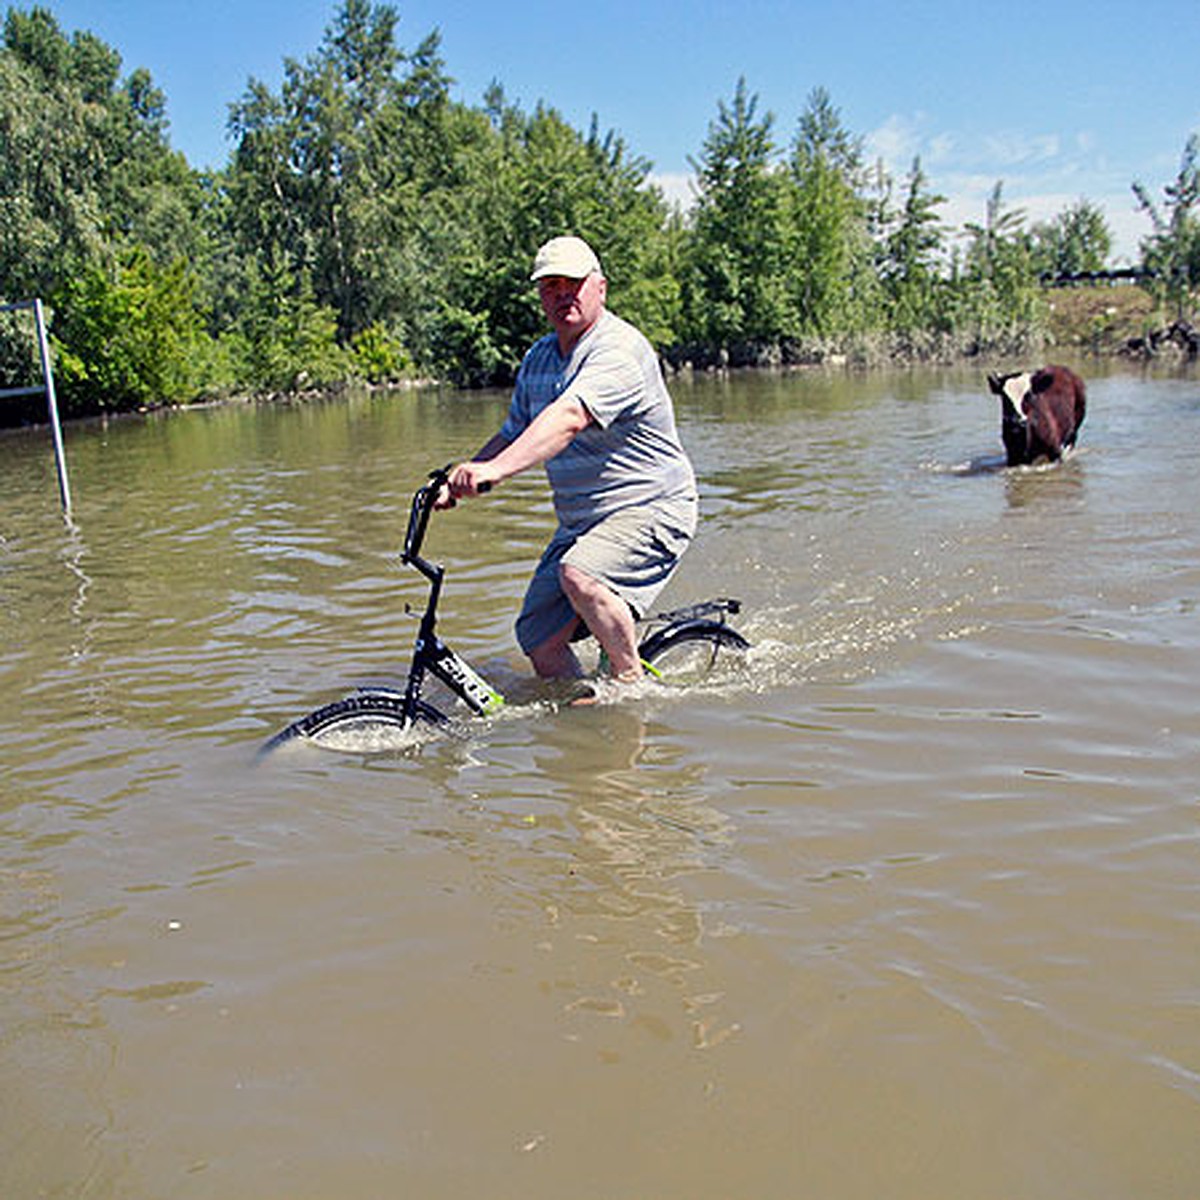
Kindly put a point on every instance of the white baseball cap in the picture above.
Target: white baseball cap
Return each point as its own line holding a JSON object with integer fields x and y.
{"x": 570, "y": 257}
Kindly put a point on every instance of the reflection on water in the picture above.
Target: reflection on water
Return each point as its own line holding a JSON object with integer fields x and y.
{"x": 902, "y": 905}
{"x": 636, "y": 825}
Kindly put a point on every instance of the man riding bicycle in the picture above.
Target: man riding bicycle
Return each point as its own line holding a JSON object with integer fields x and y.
{"x": 591, "y": 404}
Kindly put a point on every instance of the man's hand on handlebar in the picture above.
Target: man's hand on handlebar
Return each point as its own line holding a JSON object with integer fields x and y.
{"x": 467, "y": 479}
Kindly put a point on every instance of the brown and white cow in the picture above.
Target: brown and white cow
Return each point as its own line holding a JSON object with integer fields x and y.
{"x": 1040, "y": 412}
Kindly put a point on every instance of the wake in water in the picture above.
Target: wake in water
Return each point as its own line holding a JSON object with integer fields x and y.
{"x": 855, "y": 624}
{"x": 367, "y": 734}
{"x": 993, "y": 464}
{"x": 789, "y": 647}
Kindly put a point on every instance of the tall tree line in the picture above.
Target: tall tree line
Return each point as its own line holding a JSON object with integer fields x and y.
{"x": 367, "y": 226}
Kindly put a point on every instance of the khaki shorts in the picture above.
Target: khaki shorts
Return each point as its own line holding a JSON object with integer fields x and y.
{"x": 634, "y": 551}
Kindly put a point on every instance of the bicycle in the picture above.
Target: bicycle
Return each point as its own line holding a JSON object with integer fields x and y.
{"x": 679, "y": 644}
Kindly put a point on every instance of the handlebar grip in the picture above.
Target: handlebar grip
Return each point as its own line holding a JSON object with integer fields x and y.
{"x": 443, "y": 474}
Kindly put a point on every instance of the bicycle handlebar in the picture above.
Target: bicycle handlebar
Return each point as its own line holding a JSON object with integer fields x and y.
{"x": 422, "y": 506}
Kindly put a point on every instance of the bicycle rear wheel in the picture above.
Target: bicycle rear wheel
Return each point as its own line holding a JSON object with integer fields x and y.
{"x": 683, "y": 654}
{"x": 364, "y": 721}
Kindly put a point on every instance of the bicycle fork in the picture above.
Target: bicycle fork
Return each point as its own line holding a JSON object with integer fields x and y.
{"x": 462, "y": 679}
{"x": 433, "y": 655}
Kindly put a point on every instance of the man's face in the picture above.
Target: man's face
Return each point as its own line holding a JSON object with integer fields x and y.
{"x": 572, "y": 306}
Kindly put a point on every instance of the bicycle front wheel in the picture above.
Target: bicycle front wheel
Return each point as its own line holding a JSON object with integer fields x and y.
{"x": 686, "y": 653}
{"x": 365, "y": 721}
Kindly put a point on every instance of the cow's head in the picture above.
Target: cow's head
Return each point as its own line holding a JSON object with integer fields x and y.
{"x": 1013, "y": 391}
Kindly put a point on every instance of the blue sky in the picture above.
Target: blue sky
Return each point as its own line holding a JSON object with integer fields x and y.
{"x": 1059, "y": 99}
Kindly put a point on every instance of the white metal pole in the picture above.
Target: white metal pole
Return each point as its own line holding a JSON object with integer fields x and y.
{"x": 60, "y": 458}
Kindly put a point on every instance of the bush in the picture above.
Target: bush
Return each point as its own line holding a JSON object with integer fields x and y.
{"x": 127, "y": 336}
{"x": 288, "y": 342}
{"x": 378, "y": 356}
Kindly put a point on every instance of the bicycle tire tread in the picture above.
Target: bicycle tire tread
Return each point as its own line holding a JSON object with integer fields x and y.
{"x": 385, "y": 707}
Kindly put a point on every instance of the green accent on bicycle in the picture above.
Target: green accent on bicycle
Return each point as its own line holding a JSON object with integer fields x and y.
{"x": 603, "y": 668}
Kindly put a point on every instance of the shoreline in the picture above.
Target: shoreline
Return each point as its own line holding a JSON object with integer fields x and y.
{"x": 1104, "y": 323}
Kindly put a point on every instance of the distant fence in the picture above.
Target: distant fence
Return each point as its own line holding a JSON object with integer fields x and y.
{"x": 1094, "y": 278}
{"x": 47, "y": 388}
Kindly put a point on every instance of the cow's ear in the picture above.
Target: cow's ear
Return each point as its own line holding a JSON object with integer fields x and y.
{"x": 996, "y": 384}
{"x": 1039, "y": 381}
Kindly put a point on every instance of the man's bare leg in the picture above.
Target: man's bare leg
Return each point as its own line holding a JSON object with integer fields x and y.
{"x": 608, "y": 617}
{"x": 554, "y": 658}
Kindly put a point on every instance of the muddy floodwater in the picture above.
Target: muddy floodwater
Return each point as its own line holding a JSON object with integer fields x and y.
{"x": 904, "y": 905}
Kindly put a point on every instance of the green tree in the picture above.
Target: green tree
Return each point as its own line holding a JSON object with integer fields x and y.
{"x": 833, "y": 283}
{"x": 92, "y": 194}
{"x": 408, "y": 213}
{"x": 331, "y": 172}
{"x": 52, "y": 216}
{"x": 1077, "y": 240}
{"x": 911, "y": 255}
{"x": 520, "y": 179}
{"x": 1172, "y": 251}
{"x": 735, "y": 265}
{"x": 367, "y": 224}
{"x": 84, "y": 160}
{"x": 999, "y": 296}
{"x": 286, "y": 341}
{"x": 129, "y": 335}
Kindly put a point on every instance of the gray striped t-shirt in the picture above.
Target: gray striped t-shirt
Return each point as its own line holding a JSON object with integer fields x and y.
{"x": 631, "y": 452}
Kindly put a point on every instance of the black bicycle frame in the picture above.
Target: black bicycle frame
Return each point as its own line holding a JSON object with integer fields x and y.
{"x": 702, "y": 622}
{"x": 430, "y": 653}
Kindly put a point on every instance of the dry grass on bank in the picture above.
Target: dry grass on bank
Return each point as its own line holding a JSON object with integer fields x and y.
{"x": 1099, "y": 319}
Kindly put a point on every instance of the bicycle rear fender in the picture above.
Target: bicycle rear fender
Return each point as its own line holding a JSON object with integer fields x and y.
{"x": 691, "y": 628}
